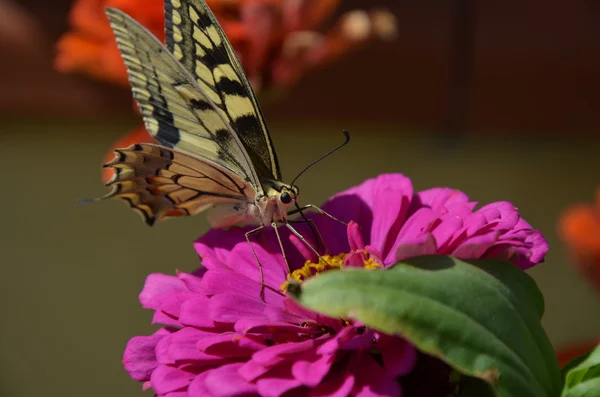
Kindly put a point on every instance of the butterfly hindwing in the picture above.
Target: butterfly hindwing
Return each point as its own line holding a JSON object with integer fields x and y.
{"x": 197, "y": 40}
{"x": 177, "y": 111}
{"x": 160, "y": 183}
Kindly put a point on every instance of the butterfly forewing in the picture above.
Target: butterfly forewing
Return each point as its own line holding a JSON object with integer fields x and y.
{"x": 160, "y": 183}
{"x": 196, "y": 39}
{"x": 177, "y": 112}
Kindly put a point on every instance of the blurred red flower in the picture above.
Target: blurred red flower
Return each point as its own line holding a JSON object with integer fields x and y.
{"x": 579, "y": 227}
{"x": 568, "y": 353}
{"x": 277, "y": 41}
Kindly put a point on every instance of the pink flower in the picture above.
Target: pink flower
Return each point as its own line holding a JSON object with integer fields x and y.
{"x": 221, "y": 339}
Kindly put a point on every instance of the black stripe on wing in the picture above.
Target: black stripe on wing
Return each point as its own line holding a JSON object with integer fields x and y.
{"x": 178, "y": 112}
{"x": 196, "y": 39}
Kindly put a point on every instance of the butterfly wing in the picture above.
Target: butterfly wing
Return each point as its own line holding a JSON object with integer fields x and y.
{"x": 178, "y": 112}
{"x": 160, "y": 183}
{"x": 198, "y": 42}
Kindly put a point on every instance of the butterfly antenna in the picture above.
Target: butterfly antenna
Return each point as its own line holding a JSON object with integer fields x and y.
{"x": 335, "y": 149}
{"x": 87, "y": 200}
{"x": 313, "y": 229}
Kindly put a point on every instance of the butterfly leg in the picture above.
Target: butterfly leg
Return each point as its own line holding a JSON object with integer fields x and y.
{"x": 260, "y": 269}
{"x": 301, "y": 237}
{"x": 319, "y": 210}
{"x": 314, "y": 229}
{"x": 274, "y": 225}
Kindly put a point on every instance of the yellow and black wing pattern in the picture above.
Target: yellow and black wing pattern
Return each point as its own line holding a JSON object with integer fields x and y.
{"x": 206, "y": 118}
{"x": 176, "y": 111}
{"x": 198, "y": 42}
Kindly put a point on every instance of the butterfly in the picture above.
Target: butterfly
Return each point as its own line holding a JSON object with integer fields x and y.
{"x": 215, "y": 153}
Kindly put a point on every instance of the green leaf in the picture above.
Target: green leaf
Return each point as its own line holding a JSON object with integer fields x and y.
{"x": 573, "y": 363}
{"x": 482, "y": 317}
{"x": 583, "y": 375}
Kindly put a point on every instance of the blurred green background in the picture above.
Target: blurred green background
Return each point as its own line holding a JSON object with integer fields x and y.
{"x": 71, "y": 273}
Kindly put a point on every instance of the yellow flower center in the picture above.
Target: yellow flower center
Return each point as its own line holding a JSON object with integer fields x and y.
{"x": 326, "y": 262}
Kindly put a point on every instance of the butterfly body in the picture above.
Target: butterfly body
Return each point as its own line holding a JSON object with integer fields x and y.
{"x": 214, "y": 150}
{"x": 272, "y": 207}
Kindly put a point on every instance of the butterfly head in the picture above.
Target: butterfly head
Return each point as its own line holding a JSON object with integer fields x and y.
{"x": 281, "y": 194}
{"x": 288, "y": 195}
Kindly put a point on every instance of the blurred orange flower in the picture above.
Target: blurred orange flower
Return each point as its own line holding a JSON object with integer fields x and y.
{"x": 579, "y": 227}
{"x": 91, "y": 48}
{"x": 277, "y": 40}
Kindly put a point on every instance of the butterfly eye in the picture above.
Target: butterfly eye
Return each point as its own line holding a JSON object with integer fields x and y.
{"x": 285, "y": 198}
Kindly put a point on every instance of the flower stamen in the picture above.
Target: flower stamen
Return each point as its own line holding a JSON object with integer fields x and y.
{"x": 326, "y": 262}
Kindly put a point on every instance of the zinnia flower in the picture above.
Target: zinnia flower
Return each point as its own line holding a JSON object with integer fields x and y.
{"x": 222, "y": 339}
{"x": 579, "y": 227}
{"x": 277, "y": 41}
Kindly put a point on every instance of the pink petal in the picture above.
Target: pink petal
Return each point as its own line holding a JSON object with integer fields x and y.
{"x": 474, "y": 223}
{"x": 525, "y": 258}
{"x": 339, "y": 340}
{"x": 360, "y": 340}
{"x": 362, "y": 204}
{"x": 196, "y": 388}
{"x": 252, "y": 370}
{"x": 162, "y": 351}
{"x": 225, "y": 381}
{"x": 383, "y": 388}
{"x": 271, "y": 259}
{"x": 444, "y": 231}
{"x": 214, "y": 247}
{"x": 260, "y": 326}
{"x": 284, "y": 351}
{"x": 338, "y": 385}
{"x": 229, "y": 345}
{"x": 475, "y": 247}
{"x": 139, "y": 358}
{"x": 504, "y": 211}
{"x": 177, "y": 394}
{"x": 372, "y": 381}
{"x": 298, "y": 312}
{"x": 163, "y": 318}
{"x": 192, "y": 283}
{"x": 193, "y": 312}
{"x": 183, "y": 347}
{"x": 399, "y": 357}
{"x": 355, "y": 239}
{"x": 228, "y": 308}
{"x": 355, "y": 260}
{"x": 166, "y": 379}
{"x": 311, "y": 373}
{"x": 227, "y": 281}
{"x": 158, "y": 288}
{"x": 390, "y": 199}
{"x": 437, "y": 198}
{"x": 269, "y": 357}
{"x": 277, "y": 382}
{"x": 303, "y": 249}
{"x": 415, "y": 226}
{"x": 425, "y": 245}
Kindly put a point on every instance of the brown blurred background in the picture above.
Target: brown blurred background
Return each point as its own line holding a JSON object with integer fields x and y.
{"x": 499, "y": 100}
